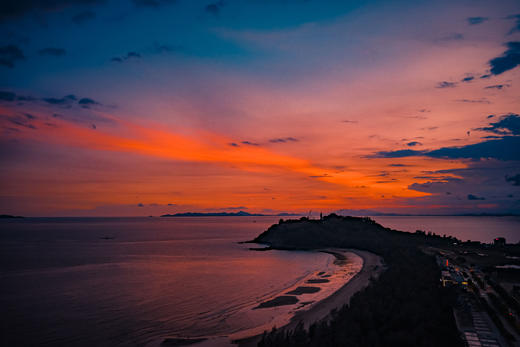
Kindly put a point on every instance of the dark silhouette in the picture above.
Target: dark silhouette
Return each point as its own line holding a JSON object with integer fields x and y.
{"x": 405, "y": 306}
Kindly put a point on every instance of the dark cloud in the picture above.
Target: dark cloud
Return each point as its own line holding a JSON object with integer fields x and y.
{"x": 140, "y": 205}
{"x": 414, "y": 143}
{"x": 398, "y": 165}
{"x": 501, "y": 148}
{"x": 57, "y": 52}
{"x": 474, "y": 197}
{"x": 284, "y": 140}
{"x": 15, "y": 8}
{"x": 468, "y": 79}
{"x": 155, "y": 49}
{"x": 66, "y": 100}
{"x": 133, "y": 55}
{"x": 83, "y": 17}
{"x": 476, "y": 20}
{"x": 516, "y": 28}
{"x": 401, "y": 153}
{"x": 498, "y": 86}
{"x": 233, "y": 144}
{"x": 349, "y": 121}
{"x": 7, "y": 96}
{"x": 507, "y": 125}
{"x": 514, "y": 180}
{"x": 87, "y": 102}
{"x": 214, "y": 8}
{"x": 249, "y": 143}
{"x": 446, "y": 84}
{"x": 505, "y": 148}
{"x": 507, "y": 61}
{"x": 129, "y": 55}
{"x": 10, "y": 54}
{"x": 485, "y": 175}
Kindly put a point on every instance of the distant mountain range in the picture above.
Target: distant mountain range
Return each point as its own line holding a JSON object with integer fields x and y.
{"x": 226, "y": 214}
{"x": 9, "y": 216}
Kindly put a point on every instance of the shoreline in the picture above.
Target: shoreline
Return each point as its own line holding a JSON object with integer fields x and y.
{"x": 371, "y": 268}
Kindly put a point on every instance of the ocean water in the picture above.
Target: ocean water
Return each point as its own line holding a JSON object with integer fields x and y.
{"x": 136, "y": 281}
{"x": 481, "y": 228}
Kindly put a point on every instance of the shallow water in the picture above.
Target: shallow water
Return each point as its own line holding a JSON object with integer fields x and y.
{"x": 131, "y": 281}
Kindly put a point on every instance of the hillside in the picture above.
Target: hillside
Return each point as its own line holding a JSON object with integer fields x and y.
{"x": 405, "y": 306}
{"x": 345, "y": 232}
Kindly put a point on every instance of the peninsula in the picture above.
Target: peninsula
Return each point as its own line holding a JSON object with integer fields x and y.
{"x": 405, "y": 306}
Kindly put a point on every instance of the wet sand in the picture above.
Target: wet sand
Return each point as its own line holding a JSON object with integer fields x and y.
{"x": 372, "y": 267}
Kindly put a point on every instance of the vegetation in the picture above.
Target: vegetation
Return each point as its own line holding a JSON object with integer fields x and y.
{"x": 405, "y": 306}
{"x": 496, "y": 320}
{"x": 511, "y": 302}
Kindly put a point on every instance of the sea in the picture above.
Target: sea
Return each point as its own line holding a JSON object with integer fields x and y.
{"x": 138, "y": 281}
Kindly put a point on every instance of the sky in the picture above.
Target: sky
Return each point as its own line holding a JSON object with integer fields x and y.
{"x": 146, "y": 107}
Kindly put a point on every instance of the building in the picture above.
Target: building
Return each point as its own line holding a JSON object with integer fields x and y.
{"x": 499, "y": 241}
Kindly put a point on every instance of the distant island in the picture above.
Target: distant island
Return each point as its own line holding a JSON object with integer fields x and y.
{"x": 5, "y": 216}
{"x": 226, "y": 214}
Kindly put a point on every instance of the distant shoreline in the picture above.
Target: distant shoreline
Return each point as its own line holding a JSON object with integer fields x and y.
{"x": 232, "y": 214}
{"x": 228, "y": 214}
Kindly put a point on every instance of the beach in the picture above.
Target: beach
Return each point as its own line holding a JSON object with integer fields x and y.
{"x": 371, "y": 268}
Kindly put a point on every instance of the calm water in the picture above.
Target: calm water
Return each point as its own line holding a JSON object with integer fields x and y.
{"x": 483, "y": 229}
{"x": 63, "y": 283}
{"x": 133, "y": 281}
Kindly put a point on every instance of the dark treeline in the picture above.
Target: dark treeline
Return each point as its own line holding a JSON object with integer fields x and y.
{"x": 405, "y": 306}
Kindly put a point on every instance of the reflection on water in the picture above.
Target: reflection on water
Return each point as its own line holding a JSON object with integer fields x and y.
{"x": 130, "y": 281}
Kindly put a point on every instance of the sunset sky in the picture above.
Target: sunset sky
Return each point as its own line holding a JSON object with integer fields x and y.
{"x": 145, "y": 107}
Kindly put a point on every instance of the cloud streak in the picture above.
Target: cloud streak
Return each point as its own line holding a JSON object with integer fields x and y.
{"x": 509, "y": 60}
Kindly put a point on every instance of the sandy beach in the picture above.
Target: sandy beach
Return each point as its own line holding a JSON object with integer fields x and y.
{"x": 372, "y": 267}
